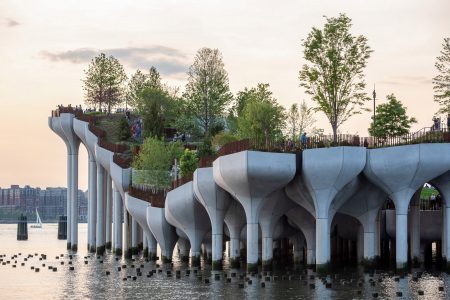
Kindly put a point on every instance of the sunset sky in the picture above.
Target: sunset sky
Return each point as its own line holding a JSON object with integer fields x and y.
{"x": 46, "y": 45}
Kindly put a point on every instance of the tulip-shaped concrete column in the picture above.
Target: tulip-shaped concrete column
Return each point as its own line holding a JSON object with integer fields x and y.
{"x": 117, "y": 221}
{"x": 250, "y": 177}
{"x": 216, "y": 201}
{"x": 89, "y": 140}
{"x": 138, "y": 209}
{"x": 414, "y": 227}
{"x": 74, "y": 142}
{"x": 164, "y": 233}
{"x": 183, "y": 247}
{"x": 55, "y": 125}
{"x": 235, "y": 221}
{"x": 442, "y": 183}
{"x": 325, "y": 172}
{"x": 275, "y": 206}
{"x": 188, "y": 215}
{"x": 364, "y": 206}
{"x": 100, "y": 237}
{"x": 400, "y": 172}
{"x": 304, "y": 221}
{"x": 108, "y": 213}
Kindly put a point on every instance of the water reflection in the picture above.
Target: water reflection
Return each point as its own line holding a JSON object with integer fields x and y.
{"x": 90, "y": 281}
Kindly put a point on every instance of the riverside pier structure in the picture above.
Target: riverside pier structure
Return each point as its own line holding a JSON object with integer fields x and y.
{"x": 328, "y": 203}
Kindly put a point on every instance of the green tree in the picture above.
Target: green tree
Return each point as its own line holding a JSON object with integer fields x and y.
{"x": 261, "y": 117}
{"x": 156, "y": 108}
{"x": 391, "y": 119}
{"x": 104, "y": 82}
{"x": 299, "y": 120}
{"x": 139, "y": 81}
{"x": 333, "y": 74}
{"x": 188, "y": 163}
{"x": 442, "y": 80}
{"x": 207, "y": 91}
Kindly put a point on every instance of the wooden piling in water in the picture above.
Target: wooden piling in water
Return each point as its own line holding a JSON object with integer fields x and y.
{"x": 22, "y": 228}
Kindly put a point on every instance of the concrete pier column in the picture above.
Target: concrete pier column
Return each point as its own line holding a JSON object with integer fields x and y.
{"x": 134, "y": 236}
{"x": 117, "y": 217}
{"x": 325, "y": 173}
{"x": 305, "y": 222}
{"x": 100, "y": 238}
{"x": 184, "y": 212}
{"x": 164, "y": 233}
{"x": 74, "y": 199}
{"x": 235, "y": 221}
{"x": 183, "y": 247}
{"x": 250, "y": 176}
{"x": 216, "y": 201}
{"x": 108, "y": 216}
{"x": 400, "y": 172}
{"x": 92, "y": 205}
{"x": 445, "y": 232}
{"x": 144, "y": 245}
{"x": 69, "y": 201}
{"x": 126, "y": 232}
{"x": 151, "y": 246}
{"x": 414, "y": 228}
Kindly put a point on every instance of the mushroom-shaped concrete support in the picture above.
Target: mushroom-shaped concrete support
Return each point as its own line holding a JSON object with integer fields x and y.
{"x": 187, "y": 214}
{"x": 55, "y": 124}
{"x": 305, "y": 222}
{"x": 81, "y": 129}
{"x": 74, "y": 143}
{"x": 325, "y": 172}
{"x": 138, "y": 209}
{"x": 164, "y": 233}
{"x": 250, "y": 177}
{"x": 275, "y": 206}
{"x": 400, "y": 172}
{"x": 442, "y": 183}
{"x": 235, "y": 221}
{"x": 216, "y": 201}
{"x": 364, "y": 206}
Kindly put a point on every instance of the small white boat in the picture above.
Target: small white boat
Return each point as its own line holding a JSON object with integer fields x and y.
{"x": 38, "y": 223}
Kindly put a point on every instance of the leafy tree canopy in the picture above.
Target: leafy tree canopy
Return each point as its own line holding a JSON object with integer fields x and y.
{"x": 391, "y": 119}
{"x": 104, "y": 82}
{"x": 442, "y": 80}
{"x": 333, "y": 74}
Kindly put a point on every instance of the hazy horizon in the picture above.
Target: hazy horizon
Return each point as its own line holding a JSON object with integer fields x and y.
{"x": 46, "y": 45}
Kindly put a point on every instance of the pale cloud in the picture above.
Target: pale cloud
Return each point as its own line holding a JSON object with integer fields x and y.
{"x": 168, "y": 61}
{"x": 406, "y": 79}
{"x": 8, "y": 22}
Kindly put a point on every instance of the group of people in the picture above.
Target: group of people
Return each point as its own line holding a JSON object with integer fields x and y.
{"x": 437, "y": 123}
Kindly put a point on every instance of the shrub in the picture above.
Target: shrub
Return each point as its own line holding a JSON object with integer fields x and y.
{"x": 223, "y": 138}
{"x": 124, "y": 130}
{"x": 188, "y": 163}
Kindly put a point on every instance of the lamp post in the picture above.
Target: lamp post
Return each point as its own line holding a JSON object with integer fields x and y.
{"x": 374, "y": 94}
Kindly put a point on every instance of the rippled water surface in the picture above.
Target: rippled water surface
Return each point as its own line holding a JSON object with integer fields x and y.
{"x": 89, "y": 281}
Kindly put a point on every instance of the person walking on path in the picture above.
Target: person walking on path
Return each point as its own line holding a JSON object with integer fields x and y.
{"x": 304, "y": 140}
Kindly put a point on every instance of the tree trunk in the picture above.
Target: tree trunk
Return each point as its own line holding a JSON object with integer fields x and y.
{"x": 334, "y": 126}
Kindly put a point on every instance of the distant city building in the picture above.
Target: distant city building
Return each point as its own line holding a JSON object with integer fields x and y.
{"x": 51, "y": 203}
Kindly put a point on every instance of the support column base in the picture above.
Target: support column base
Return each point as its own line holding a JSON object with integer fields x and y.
{"x": 217, "y": 265}
{"x": 152, "y": 255}
{"x": 252, "y": 267}
{"x": 108, "y": 245}
{"x": 166, "y": 259}
{"x": 100, "y": 250}
{"x": 235, "y": 263}
{"x": 415, "y": 262}
{"x": 134, "y": 251}
{"x": 69, "y": 246}
{"x": 145, "y": 252}
{"x": 323, "y": 269}
{"x": 195, "y": 261}
{"x": 128, "y": 253}
{"x": 401, "y": 268}
{"x": 267, "y": 265}
{"x": 140, "y": 246}
{"x": 118, "y": 251}
{"x": 91, "y": 248}
{"x": 74, "y": 247}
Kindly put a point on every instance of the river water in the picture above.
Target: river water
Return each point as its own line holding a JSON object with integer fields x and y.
{"x": 90, "y": 281}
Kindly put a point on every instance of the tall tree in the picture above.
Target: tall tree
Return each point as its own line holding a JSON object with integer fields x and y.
{"x": 391, "y": 119}
{"x": 333, "y": 74}
{"x": 299, "y": 120}
{"x": 207, "y": 91}
{"x": 139, "y": 81}
{"x": 104, "y": 82}
{"x": 260, "y": 117}
{"x": 442, "y": 80}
